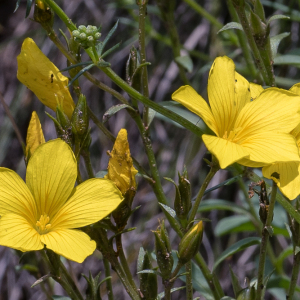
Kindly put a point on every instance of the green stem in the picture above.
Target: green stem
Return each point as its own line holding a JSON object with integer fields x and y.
{"x": 264, "y": 243}
{"x": 77, "y": 155}
{"x": 210, "y": 277}
{"x": 256, "y": 53}
{"x": 189, "y": 282}
{"x": 243, "y": 43}
{"x": 167, "y": 12}
{"x": 123, "y": 260}
{"x": 294, "y": 278}
{"x": 142, "y": 45}
{"x": 108, "y": 281}
{"x": 87, "y": 161}
{"x": 213, "y": 170}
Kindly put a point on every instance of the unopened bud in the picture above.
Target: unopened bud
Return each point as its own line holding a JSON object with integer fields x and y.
{"x": 80, "y": 118}
{"x": 163, "y": 251}
{"x": 258, "y": 29}
{"x": 64, "y": 131}
{"x": 190, "y": 243}
{"x": 43, "y": 14}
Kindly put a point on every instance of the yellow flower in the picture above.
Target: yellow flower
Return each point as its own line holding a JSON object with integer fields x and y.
{"x": 47, "y": 209}
{"x": 120, "y": 167}
{"x": 287, "y": 175}
{"x": 43, "y": 78}
{"x": 252, "y": 133}
{"x": 35, "y": 136}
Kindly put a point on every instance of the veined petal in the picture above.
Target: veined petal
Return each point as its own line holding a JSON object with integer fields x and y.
{"x": 42, "y": 77}
{"x": 51, "y": 175}
{"x": 296, "y": 133}
{"x": 35, "y": 136}
{"x": 221, "y": 94}
{"x": 270, "y": 147}
{"x": 225, "y": 151}
{"x": 188, "y": 97}
{"x": 72, "y": 244}
{"x": 93, "y": 200}
{"x": 255, "y": 90}
{"x": 287, "y": 177}
{"x": 15, "y": 196}
{"x": 274, "y": 110}
{"x": 16, "y": 232}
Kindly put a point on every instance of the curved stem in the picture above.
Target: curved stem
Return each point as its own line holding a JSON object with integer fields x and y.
{"x": 264, "y": 243}
{"x": 213, "y": 170}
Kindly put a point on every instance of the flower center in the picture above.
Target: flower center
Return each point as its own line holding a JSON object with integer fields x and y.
{"x": 232, "y": 135}
{"x": 42, "y": 225}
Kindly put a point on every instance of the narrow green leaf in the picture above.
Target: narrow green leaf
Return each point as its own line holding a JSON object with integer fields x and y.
{"x": 211, "y": 204}
{"x": 227, "y": 298}
{"x": 168, "y": 210}
{"x": 281, "y": 282}
{"x": 149, "y": 272}
{"x": 17, "y": 5}
{"x": 234, "y": 224}
{"x": 113, "y": 110}
{"x": 140, "y": 259}
{"x": 283, "y": 255}
{"x": 266, "y": 280}
{"x": 40, "y": 280}
{"x": 110, "y": 50}
{"x": 28, "y": 8}
{"x": 226, "y": 182}
{"x": 57, "y": 297}
{"x": 275, "y": 41}
{"x": 231, "y": 25}
{"x": 102, "y": 44}
{"x": 276, "y": 17}
{"x": 237, "y": 247}
{"x": 287, "y": 60}
{"x": 80, "y": 73}
{"x": 186, "y": 62}
{"x": 77, "y": 65}
{"x": 162, "y": 295}
{"x": 151, "y": 115}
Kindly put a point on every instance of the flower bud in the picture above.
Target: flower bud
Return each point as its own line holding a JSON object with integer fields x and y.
{"x": 183, "y": 203}
{"x": 148, "y": 281}
{"x": 258, "y": 29}
{"x": 80, "y": 118}
{"x": 190, "y": 243}
{"x": 163, "y": 251}
{"x": 64, "y": 131}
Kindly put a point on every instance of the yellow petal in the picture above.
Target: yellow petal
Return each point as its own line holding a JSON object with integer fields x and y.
{"x": 51, "y": 175}
{"x": 295, "y": 89}
{"x": 72, "y": 244}
{"x": 16, "y": 232}
{"x": 188, "y": 97}
{"x": 255, "y": 90}
{"x": 221, "y": 93}
{"x": 120, "y": 167}
{"x": 42, "y": 77}
{"x": 287, "y": 177}
{"x": 35, "y": 136}
{"x": 93, "y": 200}
{"x": 270, "y": 147}
{"x": 15, "y": 196}
{"x": 225, "y": 151}
{"x": 296, "y": 134}
{"x": 274, "y": 110}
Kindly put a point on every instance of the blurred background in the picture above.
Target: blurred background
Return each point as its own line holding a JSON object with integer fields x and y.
{"x": 174, "y": 146}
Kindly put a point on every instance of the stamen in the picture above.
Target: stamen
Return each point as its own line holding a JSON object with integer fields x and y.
{"x": 42, "y": 225}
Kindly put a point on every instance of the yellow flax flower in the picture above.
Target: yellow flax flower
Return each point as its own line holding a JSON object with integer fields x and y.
{"x": 120, "y": 167}
{"x": 287, "y": 175}
{"x": 43, "y": 78}
{"x": 253, "y": 133}
{"x": 35, "y": 136}
{"x": 47, "y": 209}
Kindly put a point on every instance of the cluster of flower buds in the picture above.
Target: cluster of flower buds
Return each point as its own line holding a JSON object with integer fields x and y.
{"x": 86, "y": 36}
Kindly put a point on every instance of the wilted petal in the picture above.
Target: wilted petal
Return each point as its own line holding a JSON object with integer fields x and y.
{"x": 51, "y": 175}
{"x": 188, "y": 97}
{"x": 16, "y": 232}
{"x": 225, "y": 151}
{"x": 35, "y": 136}
{"x": 93, "y": 200}
{"x": 72, "y": 244}
{"x": 42, "y": 77}
{"x": 287, "y": 177}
